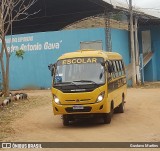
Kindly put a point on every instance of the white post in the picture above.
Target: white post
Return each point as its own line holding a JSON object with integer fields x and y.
{"x": 132, "y": 45}
{"x": 137, "y": 51}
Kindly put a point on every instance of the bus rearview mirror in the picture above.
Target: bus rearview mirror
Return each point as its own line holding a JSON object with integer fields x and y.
{"x": 52, "y": 67}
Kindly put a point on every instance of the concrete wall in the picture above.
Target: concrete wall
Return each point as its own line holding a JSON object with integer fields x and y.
{"x": 44, "y": 48}
{"x": 155, "y": 33}
{"x": 120, "y": 43}
{"x": 152, "y": 70}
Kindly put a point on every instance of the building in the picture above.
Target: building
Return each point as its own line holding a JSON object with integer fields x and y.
{"x": 43, "y": 48}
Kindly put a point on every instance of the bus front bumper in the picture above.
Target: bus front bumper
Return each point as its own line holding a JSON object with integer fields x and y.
{"x": 100, "y": 107}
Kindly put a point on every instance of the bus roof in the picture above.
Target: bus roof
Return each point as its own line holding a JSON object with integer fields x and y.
{"x": 92, "y": 53}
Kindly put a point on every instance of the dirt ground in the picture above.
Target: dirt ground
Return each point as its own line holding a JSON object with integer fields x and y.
{"x": 139, "y": 123}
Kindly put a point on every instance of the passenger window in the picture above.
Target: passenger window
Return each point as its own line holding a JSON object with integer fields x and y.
{"x": 111, "y": 64}
{"x": 118, "y": 68}
{"x": 123, "y": 68}
{"x": 110, "y": 69}
{"x": 115, "y": 69}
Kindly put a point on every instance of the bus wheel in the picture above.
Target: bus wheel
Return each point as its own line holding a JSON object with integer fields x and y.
{"x": 120, "y": 108}
{"x": 108, "y": 116}
{"x": 65, "y": 120}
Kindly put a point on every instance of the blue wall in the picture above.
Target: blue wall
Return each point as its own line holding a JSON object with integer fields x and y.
{"x": 32, "y": 71}
{"x": 155, "y": 33}
{"x": 148, "y": 70}
{"x": 120, "y": 43}
{"x": 152, "y": 70}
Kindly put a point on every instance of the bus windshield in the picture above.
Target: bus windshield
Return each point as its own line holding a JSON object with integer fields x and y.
{"x": 81, "y": 73}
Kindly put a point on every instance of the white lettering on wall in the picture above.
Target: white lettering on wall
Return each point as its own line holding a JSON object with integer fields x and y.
{"x": 51, "y": 46}
{"x": 12, "y": 48}
{"x": 27, "y": 43}
{"x": 31, "y": 47}
{"x": 19, "y": 39}
{"x": 25, "y": 39}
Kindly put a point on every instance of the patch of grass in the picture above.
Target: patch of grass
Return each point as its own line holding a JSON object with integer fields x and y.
{"x": 17, "y": 109}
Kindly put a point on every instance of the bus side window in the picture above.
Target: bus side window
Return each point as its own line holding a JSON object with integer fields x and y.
{"x": 115, "y": 69}
{"x": 118, "y": 68}
{"x": 113, "y": 72}
{"x": 123, "y": 68}
{"x": 109, "y": 73}
{"x": 110, "y": 69}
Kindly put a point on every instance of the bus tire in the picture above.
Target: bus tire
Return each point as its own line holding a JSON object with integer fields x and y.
{"x": 65, "y": 120}
{"x": 108, "y": 116}
{"x": 120, "y": 108}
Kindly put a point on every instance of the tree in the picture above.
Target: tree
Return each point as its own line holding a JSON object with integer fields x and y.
{"x": 10, "y": 11}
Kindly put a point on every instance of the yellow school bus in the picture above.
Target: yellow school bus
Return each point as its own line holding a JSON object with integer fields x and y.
{"x": 88, "y": 83}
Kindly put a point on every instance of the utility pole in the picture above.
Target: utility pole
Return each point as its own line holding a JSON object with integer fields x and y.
{"x": 107, "y": 31}
{"x": 132, "y": 45}
{"x": 137, "y": 51}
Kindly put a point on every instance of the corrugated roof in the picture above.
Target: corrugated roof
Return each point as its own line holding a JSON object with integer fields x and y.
{"x": 56, "y": 14}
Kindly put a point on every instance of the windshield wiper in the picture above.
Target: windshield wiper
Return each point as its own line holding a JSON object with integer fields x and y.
{"x": 86, "y": 81}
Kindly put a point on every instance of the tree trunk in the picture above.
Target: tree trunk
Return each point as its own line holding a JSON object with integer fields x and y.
{"x": 7, "y": 77}
{"x": 3, "y": 74}
{"x": 5, "y": 69}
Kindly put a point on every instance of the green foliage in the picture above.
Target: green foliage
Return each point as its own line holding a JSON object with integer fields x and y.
{"x": 20, "y": 53}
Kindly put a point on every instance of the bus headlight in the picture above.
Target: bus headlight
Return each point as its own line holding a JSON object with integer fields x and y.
{"x": 56, "y": 99}
{"x": 100, "y": 97}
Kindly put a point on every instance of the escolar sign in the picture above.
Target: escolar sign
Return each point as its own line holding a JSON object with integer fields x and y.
{"x": 79, "y": 61}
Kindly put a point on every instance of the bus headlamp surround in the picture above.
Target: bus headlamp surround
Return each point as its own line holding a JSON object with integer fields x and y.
{"x": 100, "y": 97}
{"x": 56, "y": 99}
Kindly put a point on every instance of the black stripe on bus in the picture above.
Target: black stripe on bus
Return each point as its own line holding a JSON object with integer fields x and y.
{"x": 116, "y": 84}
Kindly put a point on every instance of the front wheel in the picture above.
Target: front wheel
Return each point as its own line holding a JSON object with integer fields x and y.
{"x": 120, "y": 108}
{"x": 65, "y": 120}
{"x": 108, "y": 116}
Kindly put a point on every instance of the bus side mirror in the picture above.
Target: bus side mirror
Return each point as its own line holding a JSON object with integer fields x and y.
{"x": 103, "y": 64}
{"x": 52, "y": 68}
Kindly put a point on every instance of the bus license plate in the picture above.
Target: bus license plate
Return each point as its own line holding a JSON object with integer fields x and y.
{"x": 80, "y": 107}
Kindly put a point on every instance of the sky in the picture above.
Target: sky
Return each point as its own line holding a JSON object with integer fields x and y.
{"x": 147, "y": 3}
{"x": 144, "y": 3}
{"x": 151, "y": 7}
